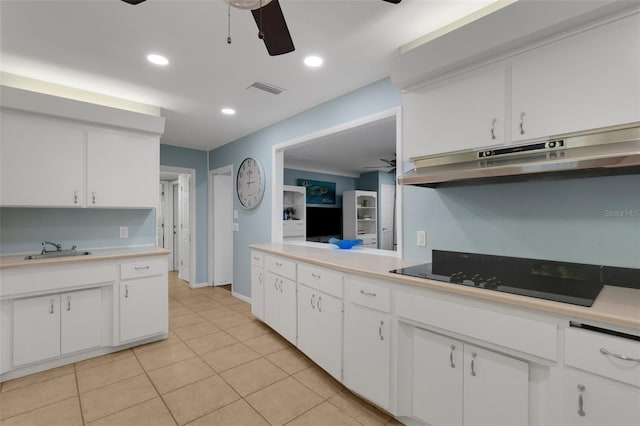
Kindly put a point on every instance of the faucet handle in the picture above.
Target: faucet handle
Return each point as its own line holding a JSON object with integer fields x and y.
{"x": 73, "y": 247}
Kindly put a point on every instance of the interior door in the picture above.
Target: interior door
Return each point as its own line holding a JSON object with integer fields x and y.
{"x": 222, "y": 229}
{"x": 184, "y": 228}
{"x": 387, "y": 216}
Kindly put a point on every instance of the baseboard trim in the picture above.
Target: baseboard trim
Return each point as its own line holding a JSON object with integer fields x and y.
{"x": 198, "y": 285}
{"x": 241, "y": 297}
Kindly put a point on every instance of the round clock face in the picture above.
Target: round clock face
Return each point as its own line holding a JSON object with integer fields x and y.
{"x": 250, "y": 183}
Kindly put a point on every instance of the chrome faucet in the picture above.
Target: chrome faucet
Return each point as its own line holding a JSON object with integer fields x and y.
{"x": 44, "y": 247}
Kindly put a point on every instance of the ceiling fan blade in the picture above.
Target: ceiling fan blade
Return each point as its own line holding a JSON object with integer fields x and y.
{"x": 277, "y": 38}
{"x": 133, "y": 2}
{"x": 393, "y": 1}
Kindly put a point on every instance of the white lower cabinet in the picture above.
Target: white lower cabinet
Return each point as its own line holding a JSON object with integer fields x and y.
{"x": 591, "y": 400}
{"x": 257, "y": 292}
{"x": 455, "y": 383}
{"x": 143, "y": 307}
{"x": 280, "y": 310}
{"x": 58, "y": 324}
{"x": 320, "y": 328}
{"x": 367, "y": 343}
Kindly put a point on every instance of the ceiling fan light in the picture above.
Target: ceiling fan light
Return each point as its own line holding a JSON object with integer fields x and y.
{"x": 247, "y": 4}
{"x": 228, "y": 111}
{"x": 157, "y": 59}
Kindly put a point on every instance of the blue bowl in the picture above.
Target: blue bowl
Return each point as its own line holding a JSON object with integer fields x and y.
{"x": 344, "y": 244}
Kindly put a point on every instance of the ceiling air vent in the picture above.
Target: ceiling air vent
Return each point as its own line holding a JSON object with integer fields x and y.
{"x": 266, "y": 87}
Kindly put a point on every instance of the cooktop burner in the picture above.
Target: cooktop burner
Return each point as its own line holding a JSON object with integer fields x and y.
{"x": 574, "y": 283}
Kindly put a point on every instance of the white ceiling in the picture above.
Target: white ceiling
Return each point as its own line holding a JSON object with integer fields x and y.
{"x": 101, "y": 46}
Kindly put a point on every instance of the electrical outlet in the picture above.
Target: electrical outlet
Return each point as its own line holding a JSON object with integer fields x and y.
{"x": 124, "y": 232}
{"x": 421, "y": 238}
{"x": 236, "y": 226}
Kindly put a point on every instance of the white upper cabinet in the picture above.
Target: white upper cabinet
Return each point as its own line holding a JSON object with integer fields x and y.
{"x": 586, "y": 81}
{"x": 41, "y": 162}
{"x": 460, "y": 113}
{"x": 123, "y": 170}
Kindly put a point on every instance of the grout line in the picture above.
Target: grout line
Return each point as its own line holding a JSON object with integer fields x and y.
{"x": 75, "y": 374}
{"x": 39, "y": 407}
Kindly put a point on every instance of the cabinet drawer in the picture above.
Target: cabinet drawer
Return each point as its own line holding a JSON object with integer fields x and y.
{"x": 522, "y": 334}
{"x": 140, "y": 269}
{"x": 321, "y": 279}
{"x": 279, "y": 266}
{"x": 367, "y": 293}
{"x": 583, "y": 351}
{"x": 257, "y": 259}
{"x": 292, "y": 228}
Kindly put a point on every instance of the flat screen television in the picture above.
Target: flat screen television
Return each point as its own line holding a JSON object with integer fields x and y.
{"x": 323, "y": 222}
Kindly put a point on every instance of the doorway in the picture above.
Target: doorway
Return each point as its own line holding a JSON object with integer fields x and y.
{"x": 176, "y": 219}
{"x": 221, "y": 226}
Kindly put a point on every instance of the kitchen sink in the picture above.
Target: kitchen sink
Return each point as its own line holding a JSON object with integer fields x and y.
{"x": 53, "y": 254}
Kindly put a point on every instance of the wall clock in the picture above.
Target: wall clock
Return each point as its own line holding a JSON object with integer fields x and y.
{"x": 250, "y": 183}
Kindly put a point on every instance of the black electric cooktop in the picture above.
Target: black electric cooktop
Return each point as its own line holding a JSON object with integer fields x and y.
{"x": 575, "y": 283}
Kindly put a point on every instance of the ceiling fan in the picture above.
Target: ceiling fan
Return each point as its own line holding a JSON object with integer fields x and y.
{"x": 272, "y": 27}
{"x": 390, "y": 164}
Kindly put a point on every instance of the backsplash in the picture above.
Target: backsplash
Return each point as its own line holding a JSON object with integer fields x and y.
{"x": 590, "y": 220}
{"x": 22, "y": 230}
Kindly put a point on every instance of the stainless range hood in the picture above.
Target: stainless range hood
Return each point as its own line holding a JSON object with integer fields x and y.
{"x": 599, "y": 152}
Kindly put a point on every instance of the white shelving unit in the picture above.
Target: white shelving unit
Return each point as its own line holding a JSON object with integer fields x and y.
{"x": 294, "y": 205}
{"x": 360, "y": 217}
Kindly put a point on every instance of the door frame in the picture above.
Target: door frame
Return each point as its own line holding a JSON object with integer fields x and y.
{"x": 224, "y": 170}
{"x": 192, "y": 218}
{"x": 277, "y": 170}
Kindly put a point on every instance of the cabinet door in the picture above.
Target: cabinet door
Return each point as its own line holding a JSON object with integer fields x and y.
{"x": 41, "y": 162}
{"x": 36, "y": 329}
{"x": 437, "y": 378}
{"x": 456, "y": 114}
{"x": 288, "y": 310}
{"x": 496, "y": 389}
{"x": 591, "y": 400}
{"x": 143, "y": 307}
{"x": 586, "y": 81}
{"x": 272, "y": 300}
{"x": 257, "y": 292}
{"x": 367, "y": 353}
{"x": 320, "y": 329}
{"x": 81, "y": 320}
{"x": 123, "y": 170}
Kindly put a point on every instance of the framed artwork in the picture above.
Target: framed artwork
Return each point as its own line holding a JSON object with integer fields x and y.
{"x": 319, "y": 192}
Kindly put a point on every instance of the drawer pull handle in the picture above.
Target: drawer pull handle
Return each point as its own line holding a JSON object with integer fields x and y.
{"x": 126, "y": 291}
{"x": 380, "y": 330}
{"x": 313, "y": 298}
{"x": 453, "y": 348}
{"x": 581, "y": 389}
{"x": 473, "y": 363}
{"x": 319, "y": 307}
{"x": 316, "y": 276}
{"x": 603, "y": 351}
{"x": 51, "y": 309}
{"x": 68, "y": 303}
{"x": 256, "y": 258}
{"x": 141, "y": 268}
{"x": 278, "y": 264}
{"x": 366, "y": 293}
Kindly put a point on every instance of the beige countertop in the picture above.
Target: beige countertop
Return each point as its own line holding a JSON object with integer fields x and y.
{"x": 615, "y": 305}
{"x": 17, "y": 260}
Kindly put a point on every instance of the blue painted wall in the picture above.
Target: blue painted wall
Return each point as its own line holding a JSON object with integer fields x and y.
{"x": 343, "y": 183}
{"x": 255, "y": 225}
{"x": 23, "y": 229}
{"x": 194, "y": 159}
{"x": 594, "y": 220}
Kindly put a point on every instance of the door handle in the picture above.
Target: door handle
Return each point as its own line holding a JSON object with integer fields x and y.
{"x": 380, "y": 330}
{"x": 581, "y": 390}
{"x": 319, "y": 307}
{"x": 126, "y": 291}
{"x": 453, "y": 348}
{"x": 68, "y": 303}
{"x": 473, "y": 360}
{"x": 313, "y": 305}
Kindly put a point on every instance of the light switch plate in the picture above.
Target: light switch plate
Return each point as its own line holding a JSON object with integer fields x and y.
{"x": 421, "y": 238}
{"x": 235, "y": 214}
{"x": 236, "y": 226}
{"x": 124, "y": 232}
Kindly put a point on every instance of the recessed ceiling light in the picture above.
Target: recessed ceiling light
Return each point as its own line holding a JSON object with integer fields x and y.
{"x": 228, "y": 111}
{"x": 157, "y": 59}
{"x": 313, "y": 61}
